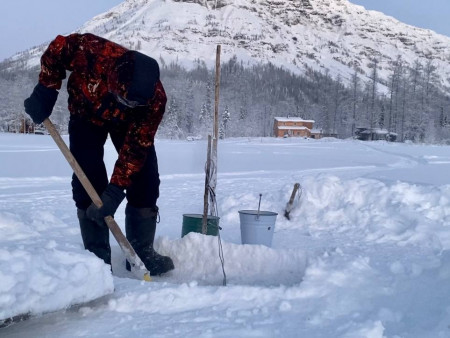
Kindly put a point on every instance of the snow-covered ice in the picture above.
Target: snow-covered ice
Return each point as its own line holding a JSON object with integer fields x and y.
{"x": 365, "y": 254}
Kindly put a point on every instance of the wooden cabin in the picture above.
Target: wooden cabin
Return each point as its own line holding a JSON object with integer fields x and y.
{"x": 295, "y": 127}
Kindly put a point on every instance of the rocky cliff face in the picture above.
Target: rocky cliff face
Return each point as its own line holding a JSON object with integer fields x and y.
{"x": 333, "y": 36}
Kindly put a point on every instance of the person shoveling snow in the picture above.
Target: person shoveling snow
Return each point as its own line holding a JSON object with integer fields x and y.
{"x": 115, "y": 91}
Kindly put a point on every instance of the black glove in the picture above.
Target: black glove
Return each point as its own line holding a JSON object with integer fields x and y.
{"x": 111, "y": 198}
{"x": 40, "y": 103}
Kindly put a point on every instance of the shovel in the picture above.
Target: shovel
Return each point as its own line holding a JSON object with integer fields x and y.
{"x": 137, "y": 266}
{"x": 289, "y": 205}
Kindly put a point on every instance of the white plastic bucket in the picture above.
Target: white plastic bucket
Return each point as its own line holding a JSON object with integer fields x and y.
{"x": 257, "y": 228}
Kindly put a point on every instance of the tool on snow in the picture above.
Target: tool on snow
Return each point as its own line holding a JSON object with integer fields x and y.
{"x": 137, "y": 266}
{"x": 290, "y": 204}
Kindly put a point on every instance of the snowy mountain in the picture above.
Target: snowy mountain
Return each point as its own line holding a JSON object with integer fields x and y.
{"x": 333, "y": 36}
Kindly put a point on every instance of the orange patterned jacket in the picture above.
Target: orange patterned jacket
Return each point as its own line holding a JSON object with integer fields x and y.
{"x": 90, "y": 59}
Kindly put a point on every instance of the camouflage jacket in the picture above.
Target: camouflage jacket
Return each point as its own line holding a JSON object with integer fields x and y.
{"x": 90, "y": 59}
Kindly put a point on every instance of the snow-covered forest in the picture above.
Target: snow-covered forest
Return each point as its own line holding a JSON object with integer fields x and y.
{"x": 409, "y": 104}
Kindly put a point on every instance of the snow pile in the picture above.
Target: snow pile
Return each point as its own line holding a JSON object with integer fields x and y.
{"x": 378, "y": 211}
{"x": 384, "y": 212}
{"x": 37, "y": 275}
{"x": 196, "y": 256}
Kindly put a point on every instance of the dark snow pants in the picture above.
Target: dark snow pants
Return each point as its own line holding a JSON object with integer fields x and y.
{"x": 86, "y": 144}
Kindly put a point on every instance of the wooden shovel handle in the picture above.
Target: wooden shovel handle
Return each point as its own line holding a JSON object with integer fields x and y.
{"x": 73, "y": 163}
{"x": 127, "y": 249}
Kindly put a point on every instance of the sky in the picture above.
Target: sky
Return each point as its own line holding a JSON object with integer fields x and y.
{"x": 431, "y": 14}
{"x": 27, "y": 23}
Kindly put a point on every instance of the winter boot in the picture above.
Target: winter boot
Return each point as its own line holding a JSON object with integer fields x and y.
{"x": 95, "y": 237}
{"x": 140, "y": 227}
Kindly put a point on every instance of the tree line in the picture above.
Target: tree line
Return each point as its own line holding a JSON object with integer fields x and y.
{"x": 408, "y": 103}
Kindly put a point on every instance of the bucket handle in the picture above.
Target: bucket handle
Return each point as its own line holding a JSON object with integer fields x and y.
{"x": 259, "y": 206}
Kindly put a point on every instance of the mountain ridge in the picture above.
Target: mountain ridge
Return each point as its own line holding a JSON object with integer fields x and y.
{"x": 333, "y": 36}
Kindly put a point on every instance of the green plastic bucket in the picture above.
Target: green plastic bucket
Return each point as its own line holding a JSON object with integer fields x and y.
{"x": 193, "y": 223}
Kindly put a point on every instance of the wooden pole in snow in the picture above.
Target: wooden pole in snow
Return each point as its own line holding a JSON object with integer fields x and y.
{"x": 205, "y": 199}
{"x": 213, "y": 182}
